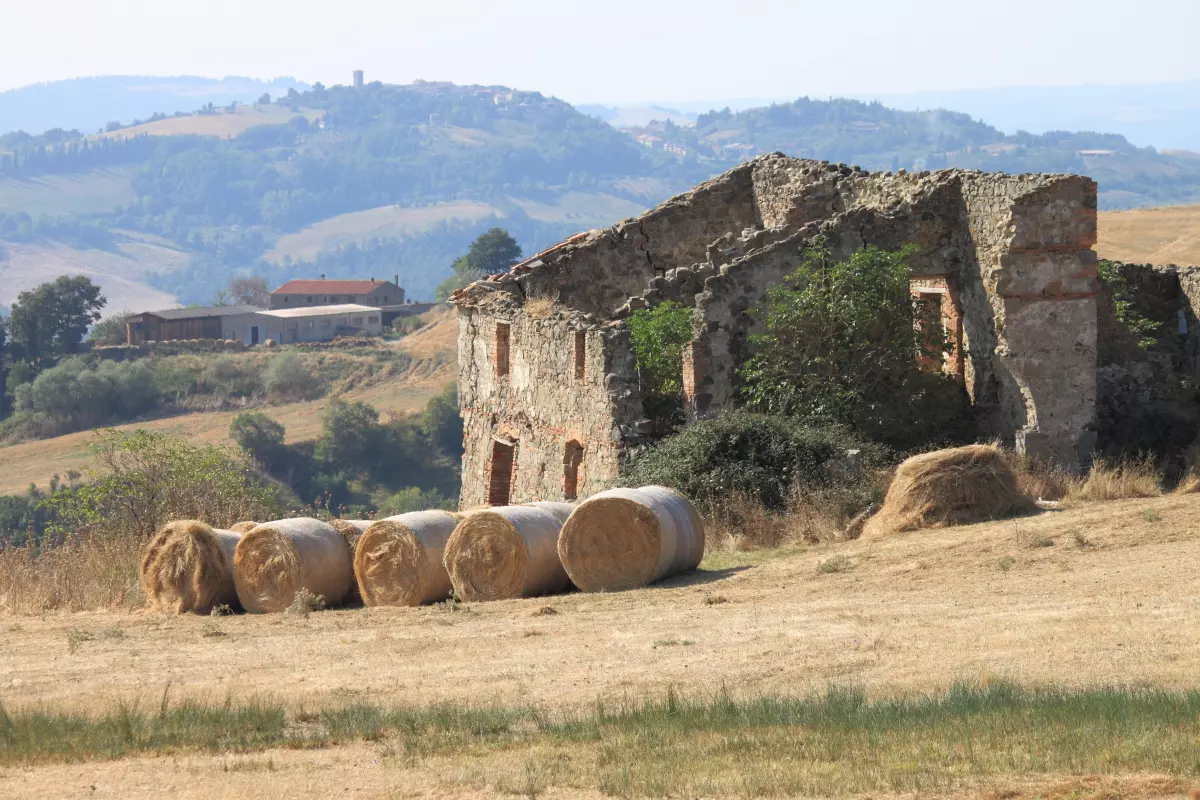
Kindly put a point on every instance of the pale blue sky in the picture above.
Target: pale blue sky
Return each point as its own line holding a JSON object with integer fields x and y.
{"x": 614, "y": 50}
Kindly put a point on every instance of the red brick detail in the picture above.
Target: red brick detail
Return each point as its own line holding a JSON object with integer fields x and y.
{"x": 572, "y": 459}
{"x": 940, "y": 297}
{"x": 502, "y": 469}
{"x": 500, "y": 352}
{"x": 695, "y": 369}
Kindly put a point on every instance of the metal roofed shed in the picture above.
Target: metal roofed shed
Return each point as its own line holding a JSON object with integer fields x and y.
{"x": 321, "y": 323}
{"x": 213, "y": 322}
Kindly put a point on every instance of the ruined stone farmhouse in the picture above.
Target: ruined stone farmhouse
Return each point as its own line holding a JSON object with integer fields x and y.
{"x": 547, "y": 381}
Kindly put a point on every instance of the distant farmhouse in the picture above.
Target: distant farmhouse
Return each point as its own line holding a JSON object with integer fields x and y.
{"x": 301, "y": 311}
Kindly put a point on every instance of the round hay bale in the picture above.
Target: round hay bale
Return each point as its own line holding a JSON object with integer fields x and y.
{"x": 625, "y": 538}
{"x": 188, "y": 567}
{"x": 560, "y": 511}
{"x": 505, "y": 552}
{"x": 243, "y": 527}
{"x": 351, "y": 530}
{"x": 398, "y": 561}
{"x": 957, "y": 486}
{"x": 277, "y": 559}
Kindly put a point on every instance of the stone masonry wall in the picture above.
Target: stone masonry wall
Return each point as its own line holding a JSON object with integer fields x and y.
{"x": 541, "y": 406}
{"x": 1013, "y": 254}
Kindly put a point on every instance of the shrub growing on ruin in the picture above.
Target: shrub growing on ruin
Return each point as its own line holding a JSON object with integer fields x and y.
{"x": 1143, "y": 330}
{"x": 761, "y": 457}
{"x": 657, "y": 336}
{"x": 842, "y": 345}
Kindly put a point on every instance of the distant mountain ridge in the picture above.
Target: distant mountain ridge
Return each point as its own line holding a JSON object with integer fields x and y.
{"x": 88, "y": 104}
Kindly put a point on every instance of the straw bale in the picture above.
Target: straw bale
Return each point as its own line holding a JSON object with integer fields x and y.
{"x": 957, "y": 486}
{"x": 243, "y": 527}
{"x": 351, "y": 530}
{"x": 560, "y": 511}
{"x": 188, "y": 567}
{"x": 505, "y": 552}
{"x": 277, "y": 559}
{"x": 398, "y": 561}
{"x": 625, "y": 538}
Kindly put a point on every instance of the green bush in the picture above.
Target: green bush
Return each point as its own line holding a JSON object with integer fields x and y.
{"x": 657, "y": 337}
{"x": 76, "y": 394}
{"x": 259, "y": 435}
{"x": 416, "y": 499}
{"x": 145, "y": 478}
{"x": 232, "y": 377}
{"x": 290, "y": 379}
{"x": 759, "y": 456}
{"x": 841, "y": 346}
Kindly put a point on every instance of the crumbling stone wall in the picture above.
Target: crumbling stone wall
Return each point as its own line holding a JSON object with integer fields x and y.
{"x": 544, "y": 404}
{"x": 1012, "y": 254}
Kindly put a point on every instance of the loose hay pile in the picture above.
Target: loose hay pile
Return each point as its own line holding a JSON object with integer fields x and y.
{"x": 626, "y": 538}
{"x": 188, "y": 566}
{"x": 505, "y": 552}
{"x": 277, "y": 559}
{"x": 398, "y": 560}
{"x": 958, "y": 486}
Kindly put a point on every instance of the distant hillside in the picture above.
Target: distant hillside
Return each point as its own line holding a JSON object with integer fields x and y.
{"x": 880, "y": 138}
{"x": 89, "y": 104}
{"x": 1169, "y": 235}
{"x": 385, "y": 180}
{"x": 1166, "y": 115}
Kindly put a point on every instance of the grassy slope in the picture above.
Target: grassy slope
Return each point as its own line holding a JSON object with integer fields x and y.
{"x": 586, "y": 209}
{"x": 432, "y": 369}
{"x": 1167, "y": 235}
{"x": 222, "y": 123}
{"x": 94, "y": 192}
{"x": 914, "y": 613}
{"x": 121, "y": 274}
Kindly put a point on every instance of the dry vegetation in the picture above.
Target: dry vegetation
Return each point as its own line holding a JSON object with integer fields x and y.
{"x": 1166, "y": 235}
{"x": 725, "y": 671}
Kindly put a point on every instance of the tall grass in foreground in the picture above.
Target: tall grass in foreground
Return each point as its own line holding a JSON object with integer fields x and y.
{"x": 839, "y": 743}
{"x": 84, "y": 573}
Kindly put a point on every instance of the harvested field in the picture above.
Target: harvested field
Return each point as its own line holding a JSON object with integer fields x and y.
{"x": 1085, "y": 597}
{"x": 1164, "y": 235}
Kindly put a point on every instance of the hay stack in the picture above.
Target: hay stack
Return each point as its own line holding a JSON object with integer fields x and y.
{"x": 626, "y": 538}
{"x": 505, "y": 552}
{"x": 188, "y": 566}
{"x": 243, "y": 527}
{"x": 957, "y": 486}
{"x": 277, "y": 559}
{"x": 398, "y": 561}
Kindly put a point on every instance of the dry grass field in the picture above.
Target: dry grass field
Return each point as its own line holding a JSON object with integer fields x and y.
{"x": 222, "y": 123}
{"x": 96, "y": 192}
{"x": 120, "y": 274}
{"x": 432, "y": 369}
{"x": 1166, "y": 235}
{"x": 1092, "y": 596}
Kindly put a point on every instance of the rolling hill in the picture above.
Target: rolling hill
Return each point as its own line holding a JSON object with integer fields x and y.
{"x": 399, "y": 179}
{"x": 89, "y": 104}
{"x": 1168, "y": 235}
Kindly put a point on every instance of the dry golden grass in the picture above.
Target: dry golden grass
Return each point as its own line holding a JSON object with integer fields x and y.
{"x": 1117, "y": 480}
{"x": 1105, "y": 601}
{"x": 1166, "y": 235}
{"x": 540, "y": 306}
{"x": 86, "y": 573}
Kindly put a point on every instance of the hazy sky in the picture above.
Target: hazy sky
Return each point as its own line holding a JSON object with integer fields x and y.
{"x": 614, "y": 50}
